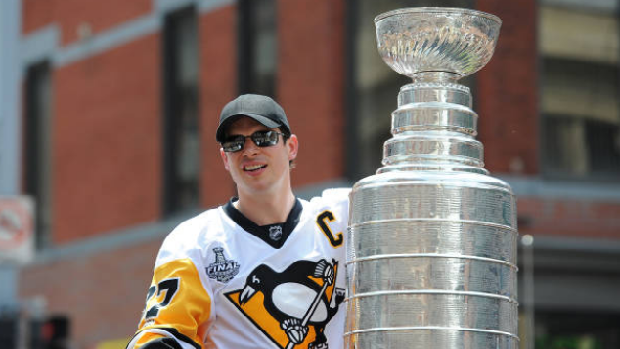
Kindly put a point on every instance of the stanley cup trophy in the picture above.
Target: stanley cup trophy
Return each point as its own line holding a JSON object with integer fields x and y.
{"x": 431, "y": 255}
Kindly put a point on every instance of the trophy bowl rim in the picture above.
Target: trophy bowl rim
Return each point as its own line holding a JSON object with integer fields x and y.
{"x": 445, "y": 10}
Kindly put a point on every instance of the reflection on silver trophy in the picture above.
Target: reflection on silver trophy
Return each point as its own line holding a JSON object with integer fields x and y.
{"x": 432, "y": 237}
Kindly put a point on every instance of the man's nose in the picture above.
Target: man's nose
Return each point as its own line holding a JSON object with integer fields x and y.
{"x": 249, "y": 148}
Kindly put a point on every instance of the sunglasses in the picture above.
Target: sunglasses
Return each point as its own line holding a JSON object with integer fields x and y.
{"x": 260, "y": 138}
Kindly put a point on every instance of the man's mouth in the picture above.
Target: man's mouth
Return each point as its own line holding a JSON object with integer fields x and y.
{"x": 253, "y": 167}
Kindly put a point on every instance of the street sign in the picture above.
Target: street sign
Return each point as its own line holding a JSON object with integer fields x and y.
{"x": 16, "y": 229}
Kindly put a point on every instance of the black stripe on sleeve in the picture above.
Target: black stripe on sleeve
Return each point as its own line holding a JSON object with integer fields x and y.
{"x": 180, "y": 336}
{"x": 170, "y": 343}
{"x": 162, "y": 343}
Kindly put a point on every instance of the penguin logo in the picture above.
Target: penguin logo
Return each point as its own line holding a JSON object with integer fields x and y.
{"x": 293, "y": 307}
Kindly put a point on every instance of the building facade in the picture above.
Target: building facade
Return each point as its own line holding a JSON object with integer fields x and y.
{"x": 119, "y": 101}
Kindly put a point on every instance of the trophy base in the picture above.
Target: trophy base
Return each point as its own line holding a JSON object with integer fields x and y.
{"x": 425, "y": 338}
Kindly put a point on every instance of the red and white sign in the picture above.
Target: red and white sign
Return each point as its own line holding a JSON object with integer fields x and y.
{"x": 16, "y": 229}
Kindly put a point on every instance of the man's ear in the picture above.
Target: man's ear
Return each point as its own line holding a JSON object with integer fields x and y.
{"x": 224, "y": 159}
{"x": 293, "y": 147}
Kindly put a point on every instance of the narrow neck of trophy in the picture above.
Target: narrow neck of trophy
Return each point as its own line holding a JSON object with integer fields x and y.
{"x": 436, "y": 76}
{"x": 434, "y": 127}
{"x": 433, "y": 91}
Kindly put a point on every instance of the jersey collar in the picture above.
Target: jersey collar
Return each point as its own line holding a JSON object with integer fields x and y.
{"x": 273, "y": 234}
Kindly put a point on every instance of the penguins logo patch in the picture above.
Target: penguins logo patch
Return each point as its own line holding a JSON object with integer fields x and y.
{"x": 294, "y": 306}
{"x": 222, "y": 269}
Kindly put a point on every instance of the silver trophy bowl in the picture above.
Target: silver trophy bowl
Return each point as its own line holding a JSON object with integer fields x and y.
{"x": 428, "y": 39}
{"x": 431, "y": 248}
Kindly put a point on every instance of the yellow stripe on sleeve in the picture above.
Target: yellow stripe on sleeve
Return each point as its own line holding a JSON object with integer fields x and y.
{"x": 177, "y": 300}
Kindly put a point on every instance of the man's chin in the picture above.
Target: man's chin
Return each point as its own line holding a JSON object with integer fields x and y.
{"x": 254, "y": 185}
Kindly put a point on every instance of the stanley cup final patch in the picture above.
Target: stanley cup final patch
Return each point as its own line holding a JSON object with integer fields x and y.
{"x": 222, "y": 270}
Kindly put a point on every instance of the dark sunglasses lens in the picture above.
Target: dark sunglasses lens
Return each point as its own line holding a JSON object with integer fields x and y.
{"x": 233, "y": 144}
{"x": 260, "y": 138}
{"x": 265, "y": 138}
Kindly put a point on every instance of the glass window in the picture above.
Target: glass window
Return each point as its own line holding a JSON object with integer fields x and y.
{"x": 372, "y": 87}
{"x": 181, "y": 137}
{"x": 573, "y": 330}
{"x": 37, "y": 147}
{"x": 579, "y": 44}
{"x": 257, "y": 47}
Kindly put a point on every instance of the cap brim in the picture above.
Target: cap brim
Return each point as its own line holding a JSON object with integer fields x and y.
{"x": 263, "y": 120}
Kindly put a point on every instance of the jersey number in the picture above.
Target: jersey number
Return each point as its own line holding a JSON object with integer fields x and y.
{"x": 322, "y": 220}
{"x": 170, "y": 286}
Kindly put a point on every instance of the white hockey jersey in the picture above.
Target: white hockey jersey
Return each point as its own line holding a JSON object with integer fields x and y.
{"x": 220, "y": 281}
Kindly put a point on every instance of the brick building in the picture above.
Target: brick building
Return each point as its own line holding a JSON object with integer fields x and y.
{"x": 119, "y": 104}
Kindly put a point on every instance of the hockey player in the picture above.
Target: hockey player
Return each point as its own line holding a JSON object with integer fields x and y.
{"x": 265, "y": 270}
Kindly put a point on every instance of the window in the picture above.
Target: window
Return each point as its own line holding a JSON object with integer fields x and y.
{"x": 579, "y": 45}
{"x": 578, "y": 330}
{"x": 372, "y": 87}
{"x": 37, "y": 147}
{"x": 257, "y": 47}
{"x": 9, "y": 329}
{"x": 180, "y": 132}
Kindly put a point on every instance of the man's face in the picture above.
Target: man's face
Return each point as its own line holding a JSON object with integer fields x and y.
{"x": 259, "y": 169}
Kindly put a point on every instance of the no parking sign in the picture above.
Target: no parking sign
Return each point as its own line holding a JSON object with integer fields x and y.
{"x": 16, "y": 229}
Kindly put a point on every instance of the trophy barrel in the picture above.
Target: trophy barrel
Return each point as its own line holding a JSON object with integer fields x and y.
{"x": 432, "y": 238}
{"x": 432, "y": 262}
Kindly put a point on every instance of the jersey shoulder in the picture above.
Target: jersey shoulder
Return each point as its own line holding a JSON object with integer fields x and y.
{"x": 192, "y": 236}
{"x": 332, "y": 199}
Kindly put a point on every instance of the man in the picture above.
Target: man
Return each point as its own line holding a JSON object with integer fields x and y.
{"x": 266, "y": 270}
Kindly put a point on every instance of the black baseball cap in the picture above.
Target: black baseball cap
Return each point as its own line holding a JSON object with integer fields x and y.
{"x": 260, "y": 108}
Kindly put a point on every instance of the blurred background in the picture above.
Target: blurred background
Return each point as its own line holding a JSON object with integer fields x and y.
{"x": 107, "y": 142}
